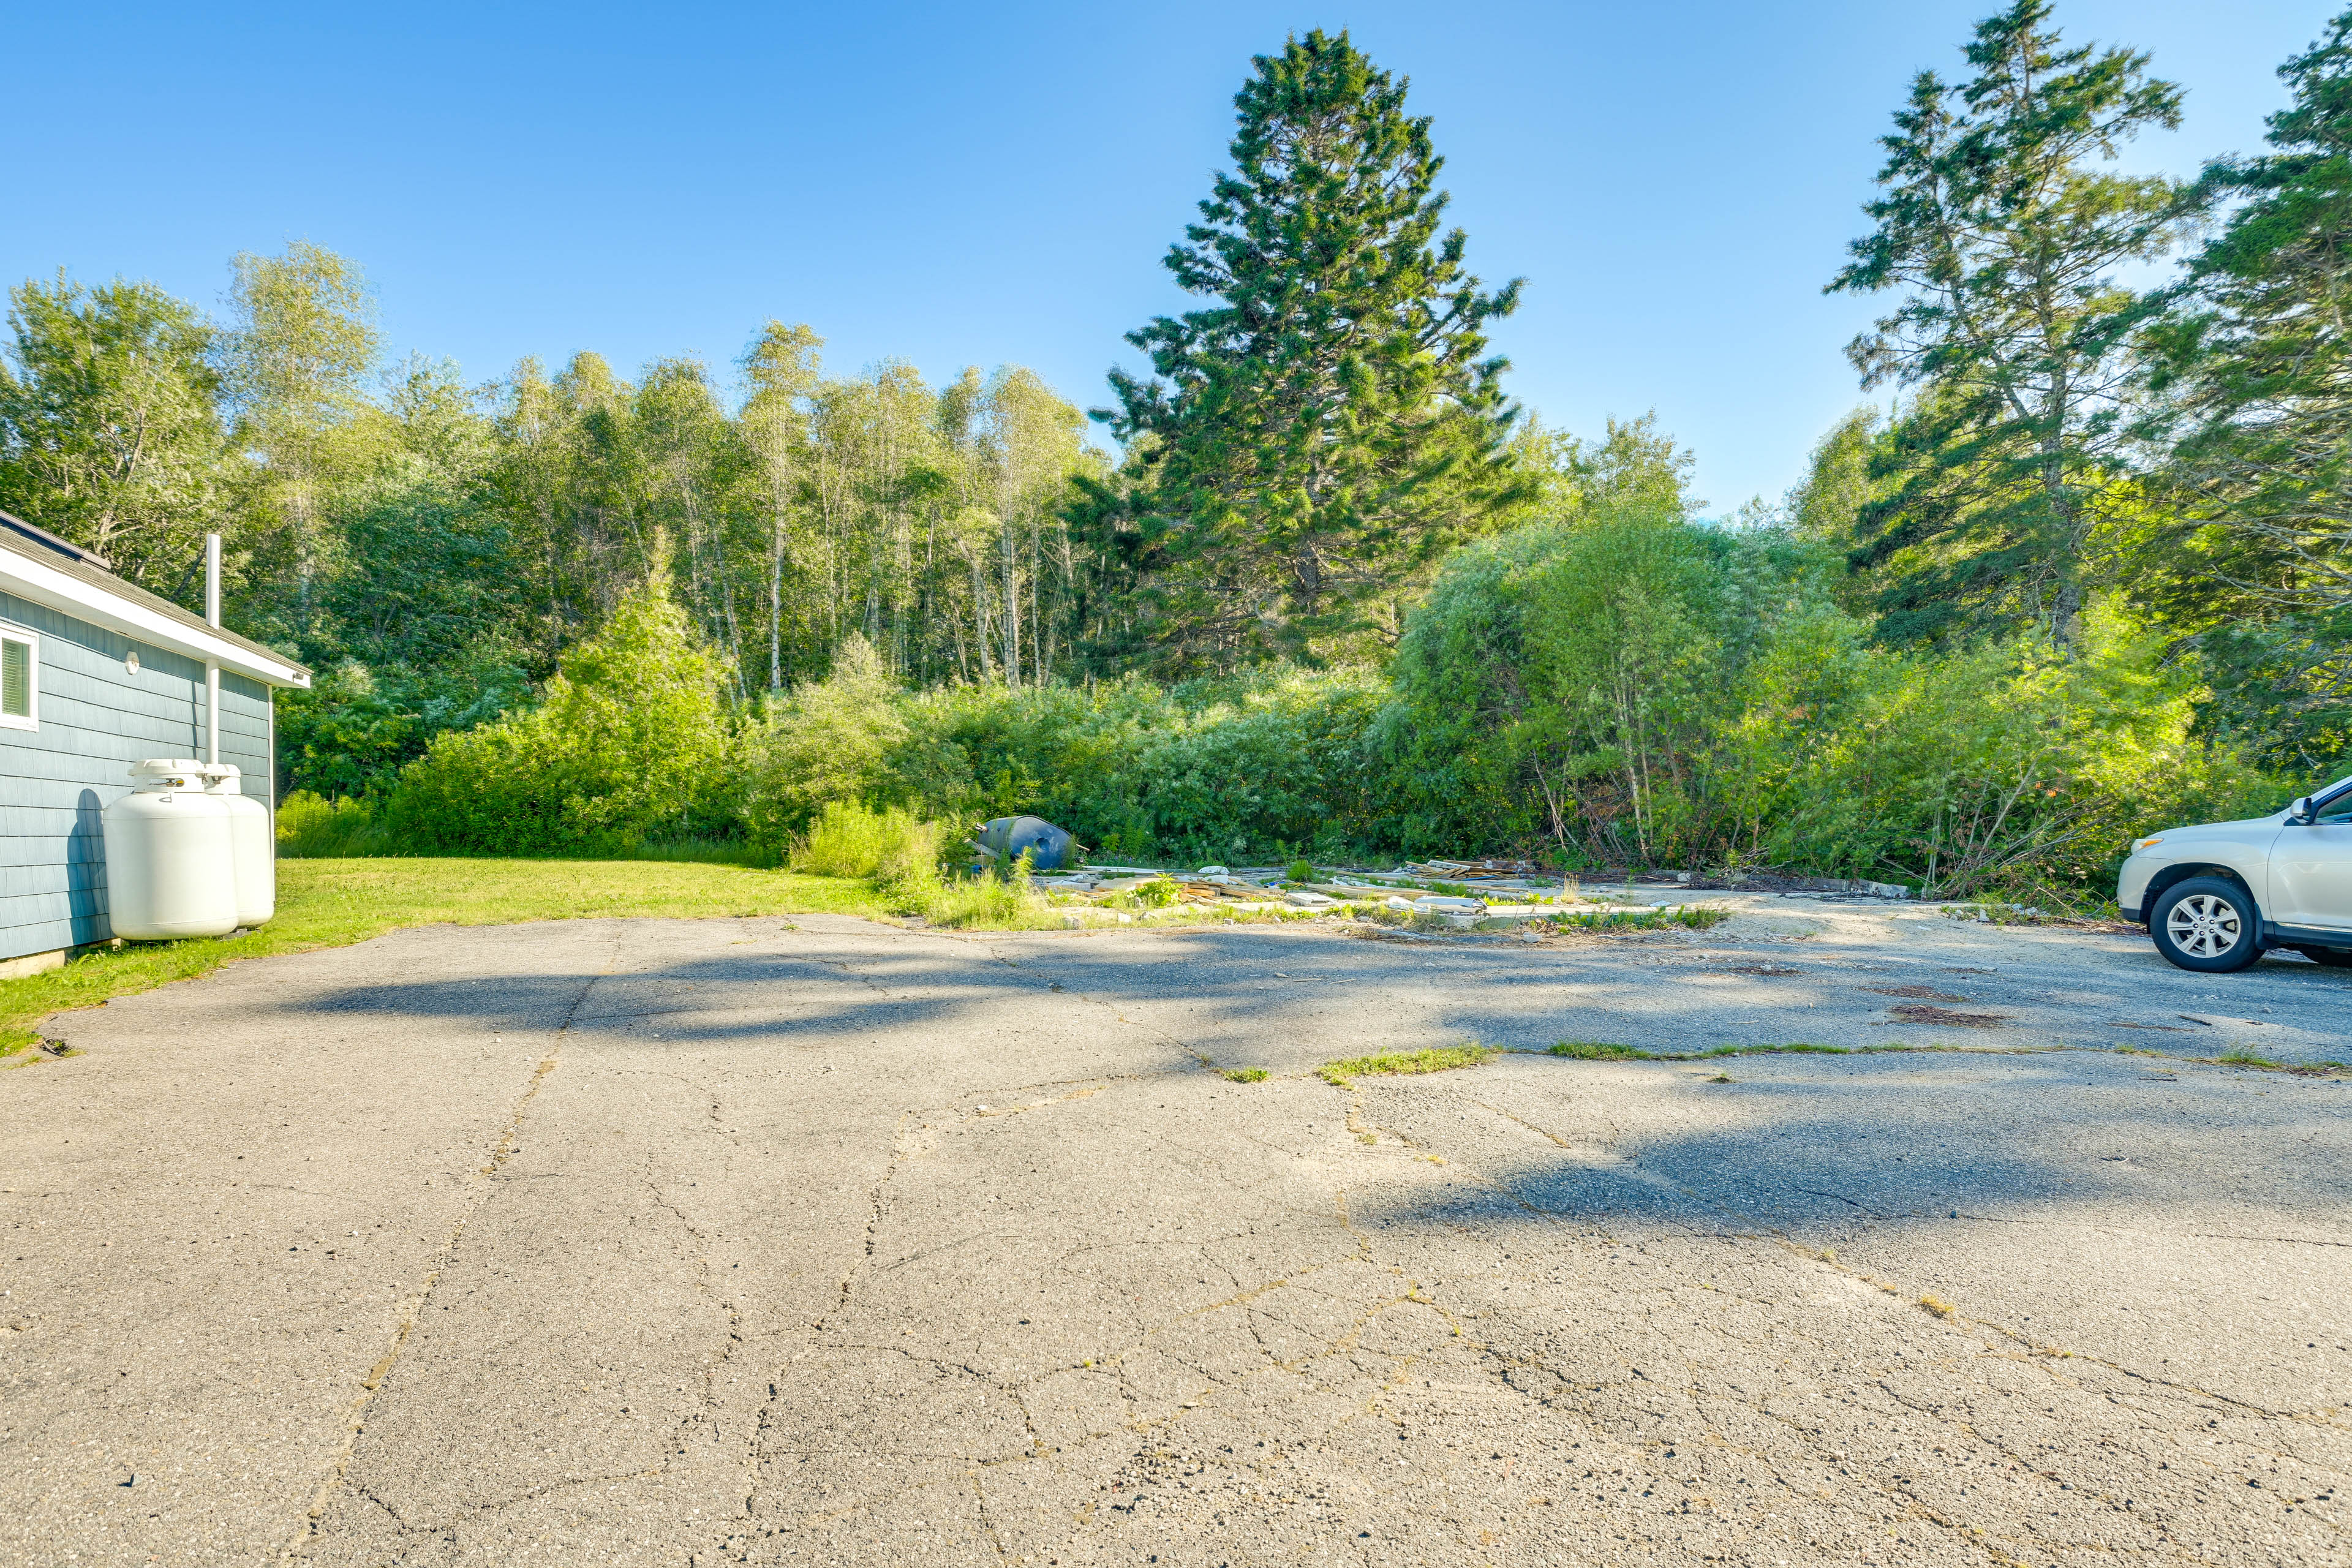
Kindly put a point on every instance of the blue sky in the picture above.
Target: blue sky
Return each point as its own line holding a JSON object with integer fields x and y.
{"x": 982, "y": 185}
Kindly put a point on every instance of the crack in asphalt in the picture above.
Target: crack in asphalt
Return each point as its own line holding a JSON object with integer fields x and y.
{"x": 480, "y": 1183}
{"x": 1444, "y": 1303}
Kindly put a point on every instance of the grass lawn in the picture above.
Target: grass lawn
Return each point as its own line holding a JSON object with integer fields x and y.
{"x": 333, "y": 903}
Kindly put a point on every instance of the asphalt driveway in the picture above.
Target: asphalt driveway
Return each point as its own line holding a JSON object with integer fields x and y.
{"x": 816, "y": 1241}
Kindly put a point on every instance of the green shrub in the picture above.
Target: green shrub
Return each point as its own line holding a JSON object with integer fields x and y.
{"x": 846, "y": 739}
{"x": 1642, "y": 689}
{"x": 630, "y": 742}
{"x": 1301, "y": 871}
{"x": 1266, "y": 766}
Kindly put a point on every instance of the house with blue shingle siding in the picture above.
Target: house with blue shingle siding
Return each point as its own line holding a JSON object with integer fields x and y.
{"x": 95, "y": 675}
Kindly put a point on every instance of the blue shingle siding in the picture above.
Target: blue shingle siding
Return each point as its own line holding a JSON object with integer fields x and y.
{"x": 96, "y": 718}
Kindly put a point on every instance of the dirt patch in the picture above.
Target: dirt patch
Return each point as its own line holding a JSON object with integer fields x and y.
{"x": 1927, "y": 1013}
{"x": 1924, "y": 993}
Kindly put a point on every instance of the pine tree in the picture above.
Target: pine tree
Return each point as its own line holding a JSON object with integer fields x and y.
{"x": 2006, "y": 239}
{"x": 1333, "y": 421}
{"x": 2257, "y": 361}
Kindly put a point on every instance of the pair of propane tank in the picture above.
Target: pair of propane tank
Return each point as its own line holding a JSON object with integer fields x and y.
{"x": 187, "y": 854}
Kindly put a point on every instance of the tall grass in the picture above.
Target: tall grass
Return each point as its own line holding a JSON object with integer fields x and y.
{"x": 901, "y": 856}
{"x": 849, "y": 838}
{"x": 311, "y": 827}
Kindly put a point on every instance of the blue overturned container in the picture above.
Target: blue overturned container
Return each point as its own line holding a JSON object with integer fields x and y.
{"x": 1050, "y": 848}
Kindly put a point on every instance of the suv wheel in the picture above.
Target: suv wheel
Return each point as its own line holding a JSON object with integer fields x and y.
{"x": 2207, "y": 924}
{"x": 2334, "y": 957}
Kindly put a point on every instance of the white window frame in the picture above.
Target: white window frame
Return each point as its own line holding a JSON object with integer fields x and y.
{"x": 31, "y": 720}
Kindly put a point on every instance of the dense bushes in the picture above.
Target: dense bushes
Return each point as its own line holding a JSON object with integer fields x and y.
{"x": 1623, "y": 688}
{"x": 1247, "y": 769}
{"x": 1638, "y": 688}
{"x": 841, "y": 739}
{"x": 631, "y": 740}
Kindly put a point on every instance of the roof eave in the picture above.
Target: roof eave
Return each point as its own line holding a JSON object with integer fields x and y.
{"x": 43, "y": 584}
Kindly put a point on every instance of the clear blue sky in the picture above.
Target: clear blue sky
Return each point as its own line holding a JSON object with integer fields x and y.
{"x": 990, "y": 183}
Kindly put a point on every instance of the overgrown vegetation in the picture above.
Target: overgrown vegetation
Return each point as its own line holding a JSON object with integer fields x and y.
{"x": 1337, "y": 599}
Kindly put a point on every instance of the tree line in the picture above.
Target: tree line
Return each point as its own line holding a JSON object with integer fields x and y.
{"x": 433, "y": 548}
{"x": 2072, "y": 465}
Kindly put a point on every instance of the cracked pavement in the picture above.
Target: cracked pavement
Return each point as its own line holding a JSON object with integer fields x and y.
{"x": 819, "y": 1241}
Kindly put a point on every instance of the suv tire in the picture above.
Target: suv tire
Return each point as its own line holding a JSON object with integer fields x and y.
{"x": 2334, "y": 957}
{"x": 2208, "y": 924}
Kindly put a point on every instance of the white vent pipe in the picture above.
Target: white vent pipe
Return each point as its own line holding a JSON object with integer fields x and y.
{"x": 211, "y": 669}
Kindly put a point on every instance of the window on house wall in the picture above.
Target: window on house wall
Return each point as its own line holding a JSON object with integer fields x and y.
{"x": 20, "y": 679}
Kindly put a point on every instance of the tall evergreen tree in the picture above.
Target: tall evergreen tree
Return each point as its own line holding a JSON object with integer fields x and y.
{"x": 1333, "y": 420}
{"x": 2257, "y": 362}
{"x": 2005, "y": 237}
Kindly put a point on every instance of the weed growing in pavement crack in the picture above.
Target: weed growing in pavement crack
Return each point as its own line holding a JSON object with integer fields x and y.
{"x": 1242, "y": 1075}
{"x": 1794, "y": 1048}
{"x": 1436, "y": 1058}
{"x": 1601, "y": 1051}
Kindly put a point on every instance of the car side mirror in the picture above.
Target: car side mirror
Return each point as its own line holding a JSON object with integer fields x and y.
{"x": 2299, "y": 814}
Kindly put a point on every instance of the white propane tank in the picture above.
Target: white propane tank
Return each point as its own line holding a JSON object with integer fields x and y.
{"x": 253, "y": 851}
{"x": 169, "y": 870}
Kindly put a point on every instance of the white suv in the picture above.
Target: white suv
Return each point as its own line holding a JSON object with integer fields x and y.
{"x": 2213, "y": 898}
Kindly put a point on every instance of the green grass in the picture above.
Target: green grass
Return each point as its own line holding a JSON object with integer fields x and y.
{"x": 333, "y": 903}
{"x": 1436, "y": 1058}
{"x": 1242, "y": 1075}
{"x": 848, "y": 839}
{"x": 697, "y": 852}
{"x": 2239, "y": 1056}
{"x": 1691, "y": 917}
{"x": 1601, "y": 1051}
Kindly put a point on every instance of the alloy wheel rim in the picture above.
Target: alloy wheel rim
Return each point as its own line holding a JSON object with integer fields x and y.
{"x": 2204, "y": 925}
